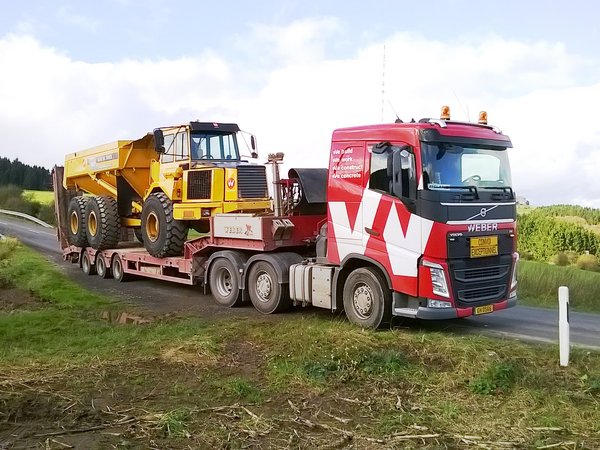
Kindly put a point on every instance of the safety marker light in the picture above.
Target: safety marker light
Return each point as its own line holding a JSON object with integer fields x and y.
{"x": 445, "y": 115}
{"x": 483, "y": 118}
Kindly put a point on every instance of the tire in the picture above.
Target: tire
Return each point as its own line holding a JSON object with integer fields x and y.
{"x": 137, "y": 232}
{"x": 101, "y": 270}
{"x": 116, "y": 268}
{"x": 367, "y": 301}
{"x": 162, "y": 235}
{"x": 103, "y": 227}
{"x": 86, "y": 264}
{"x": 76, "y": 234}
{"x": 267, "y": 295}
{"x": 224, "y": 283}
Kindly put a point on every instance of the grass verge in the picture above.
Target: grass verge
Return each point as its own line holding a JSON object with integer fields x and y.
{"x": 71, "y": 378}
{"x": 539, "y": 283}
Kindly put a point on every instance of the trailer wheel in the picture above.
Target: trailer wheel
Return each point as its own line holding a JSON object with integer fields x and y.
{"x": 76, "y": 234}
{"x": 86, "y": 264}
{"x": 117, "y": 269}
{"x": 224, "y": 283}
{"x": 267, "y": 294}
{"x": 101, "y": 269}
{"x": 102, "y": 222}
{"x": 162, "y": 235}
{"x": 367, "y": 301}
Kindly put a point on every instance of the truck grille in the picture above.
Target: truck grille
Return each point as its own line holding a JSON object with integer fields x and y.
{"x": 199, "y": 184}
{"x": 252, "y": 182}
{"x": 480, "y": 281}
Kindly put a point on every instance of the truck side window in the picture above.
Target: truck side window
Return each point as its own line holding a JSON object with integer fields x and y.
{"x": 182, "y": 151}
{"x": 379, "y": 179}
{"x": 169, "y": 149}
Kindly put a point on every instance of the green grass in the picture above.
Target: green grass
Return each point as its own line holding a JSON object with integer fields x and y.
{"x": 43, "y": 197}
{"x": 300, "y": 380}
{"x": 539, "y": 283}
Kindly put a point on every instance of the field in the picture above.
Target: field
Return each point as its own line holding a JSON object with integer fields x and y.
{"x": 539, "y": 283}
{"x": 84, "y": 371}
{"x": 43, "y": 197}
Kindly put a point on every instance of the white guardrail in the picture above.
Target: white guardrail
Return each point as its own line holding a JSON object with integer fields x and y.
{"x": 26, "y": 216}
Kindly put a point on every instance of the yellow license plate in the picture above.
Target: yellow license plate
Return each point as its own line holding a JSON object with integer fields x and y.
{"x": 484, "y": 309}
{"x": 484, "y": 246}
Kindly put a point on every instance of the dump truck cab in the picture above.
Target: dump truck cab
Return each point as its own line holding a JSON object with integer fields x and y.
{"x": 201, "y": 170}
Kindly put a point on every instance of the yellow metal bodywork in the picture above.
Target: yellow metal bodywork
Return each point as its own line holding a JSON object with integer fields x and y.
{"x": 95, "y": 171}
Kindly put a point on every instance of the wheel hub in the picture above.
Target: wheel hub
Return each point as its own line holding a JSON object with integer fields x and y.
{"x": 224, "y": 285}
{"x": 363, "y": 301}
{"x": 263, "y": 287}
{"x": 152, "y": 227}
{"x": 92, "y": 223}
{"x": 74, "y": 223}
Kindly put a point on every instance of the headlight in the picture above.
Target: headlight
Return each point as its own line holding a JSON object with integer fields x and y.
{"x": 513, "y": 281}
{"x": 438, "y": 279}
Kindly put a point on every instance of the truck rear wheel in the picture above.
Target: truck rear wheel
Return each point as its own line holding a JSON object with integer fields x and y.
{"x": 367, "y": 301}
{"x": 102, "y": 222}
{"x": 162, "y": 235}
{"x": 117, "y": 269}
{"x": 76, "y": 234}
{"x": 101, "y": 269}
{"x": 267, "y": 294}
{"x": 86, "y": 264}
{"x": 224, "y": 283}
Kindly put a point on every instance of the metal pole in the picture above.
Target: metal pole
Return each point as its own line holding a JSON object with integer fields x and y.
{"x": 563, "y": 325}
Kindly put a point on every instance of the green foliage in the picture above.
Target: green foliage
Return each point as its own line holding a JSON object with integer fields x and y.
{"x": 588, "y": 262}
{"x": 539, "y": 283}
{"x": 591, "y": 215}
{"x": 13, "y": 198}
{"x": 560, "y": 259}
{"x": 23, "y": 175}
{"x": 499, "y": 377}
{"x": 7, "y": 247}
{"x": 173, "y": 423}
{"x": 542, "y": 236}
{"x": 244, "y": 389}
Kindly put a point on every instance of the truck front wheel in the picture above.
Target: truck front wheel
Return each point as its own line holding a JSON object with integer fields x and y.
{"x": 224, "y": 283}
{"x": 161, "y": 233}
{"x": 267, "y": 294}
{"x": 102, "y": 222}
{"x": 76, "y": 234}
{"x": 367, "y": 301}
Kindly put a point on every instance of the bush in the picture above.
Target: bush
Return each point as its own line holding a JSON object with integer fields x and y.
{"x": 572, "y": 257}
{"x": 560, "y": 259}
{"x": 588, "y": 262}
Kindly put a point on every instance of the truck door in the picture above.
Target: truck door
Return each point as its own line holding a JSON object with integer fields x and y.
{"x": 397, "y": 234}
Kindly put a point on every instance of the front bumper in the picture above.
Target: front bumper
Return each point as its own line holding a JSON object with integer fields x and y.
{"x": 425, "y": 313}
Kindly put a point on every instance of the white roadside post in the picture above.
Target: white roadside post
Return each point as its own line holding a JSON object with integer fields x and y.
{"x": 563, "y": 325}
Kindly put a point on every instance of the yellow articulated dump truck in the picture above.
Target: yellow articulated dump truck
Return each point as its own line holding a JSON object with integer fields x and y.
{"x": 161, "y": 185}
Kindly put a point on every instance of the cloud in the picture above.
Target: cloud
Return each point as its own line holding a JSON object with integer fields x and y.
{"x": 286, "y": 87}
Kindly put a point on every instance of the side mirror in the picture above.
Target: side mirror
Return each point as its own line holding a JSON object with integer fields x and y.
{"x": 159, "y": 141}
{"x": 254, "y": 153}
{"x": 403, "y": 173}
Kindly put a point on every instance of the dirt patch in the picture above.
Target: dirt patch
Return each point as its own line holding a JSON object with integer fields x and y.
{"x": 13, "y": 299}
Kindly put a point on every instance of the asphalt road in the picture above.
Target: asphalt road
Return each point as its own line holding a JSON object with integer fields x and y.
{"x": 521, "y": 322}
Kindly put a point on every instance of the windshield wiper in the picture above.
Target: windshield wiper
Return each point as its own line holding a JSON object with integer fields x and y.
{"x": 471, "y": 189}
{"x": 505, "y": 190}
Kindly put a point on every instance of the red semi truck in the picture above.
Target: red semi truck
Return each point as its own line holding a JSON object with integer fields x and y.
{"x": 410, "y": 219}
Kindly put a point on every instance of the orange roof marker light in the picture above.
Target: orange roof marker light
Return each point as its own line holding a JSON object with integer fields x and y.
{"x": 445, "y": 115}
{"x": 482, "y": 118}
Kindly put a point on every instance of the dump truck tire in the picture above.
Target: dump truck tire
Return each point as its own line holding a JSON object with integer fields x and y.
{"x": 102, "y": 222}
{"x": 162, "y": 235}
{"x": 76, "y": 234}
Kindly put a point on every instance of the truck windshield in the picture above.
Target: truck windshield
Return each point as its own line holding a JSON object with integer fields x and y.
{"x": 214, "y": 146}
{"x": 447, "y": 166}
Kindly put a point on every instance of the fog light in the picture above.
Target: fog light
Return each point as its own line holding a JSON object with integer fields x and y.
{"x": 431, "y": 303}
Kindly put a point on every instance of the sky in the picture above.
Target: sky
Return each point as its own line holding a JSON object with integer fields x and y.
{"x": 76, "y": 74}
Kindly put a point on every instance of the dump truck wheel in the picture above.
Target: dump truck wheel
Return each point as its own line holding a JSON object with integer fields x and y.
{"x": 367, "y": 301}
{"x": 76, "y": 234}
{"x": 267, "y": 295}
{"x": 102, "y": 222}
{"x": 137, "y": 232}
{"x": 224, "y": 283}
{"x": 86, "y": 264}
{"x": 162, "y": 235}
